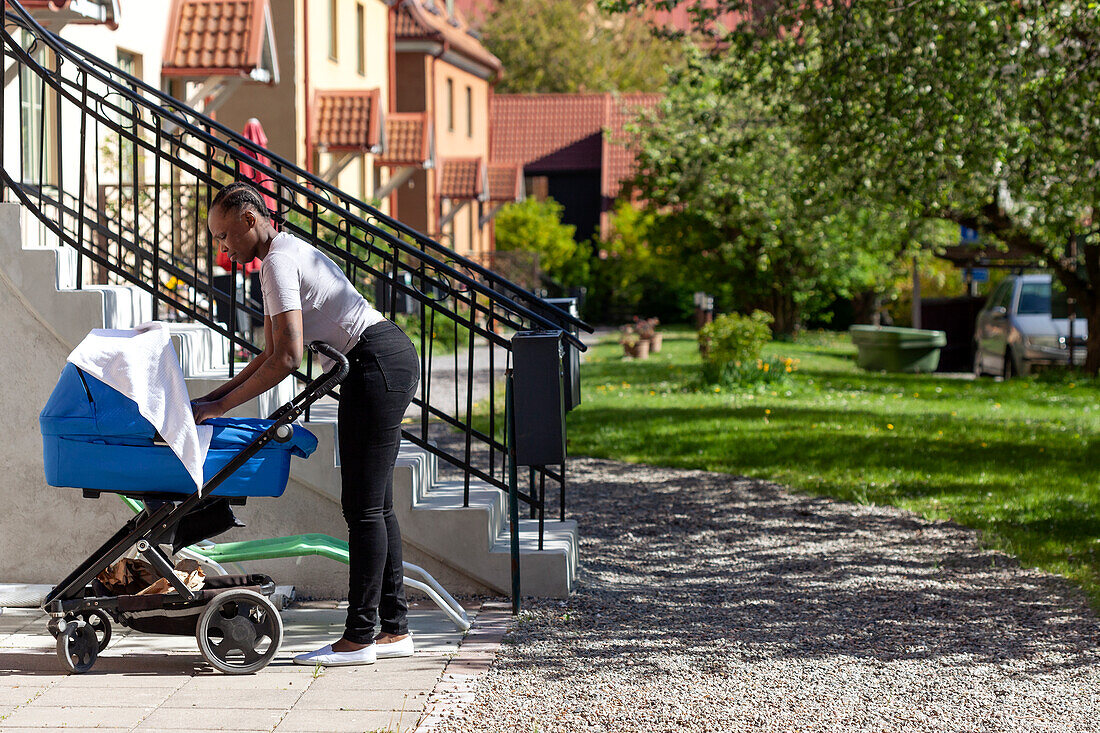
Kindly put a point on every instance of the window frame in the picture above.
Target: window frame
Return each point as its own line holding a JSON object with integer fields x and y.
{"x": 469, "y": 111}
{"x": 450, "y": 104}
{"x": 361, "y": 38}
{"x": 333, "y": 47}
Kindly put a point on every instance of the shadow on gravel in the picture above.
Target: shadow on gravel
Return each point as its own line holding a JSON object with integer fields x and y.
{"x": 708, "y": 570}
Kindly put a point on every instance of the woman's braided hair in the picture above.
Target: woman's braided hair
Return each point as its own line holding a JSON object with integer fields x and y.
{"x": 236, "y": 196}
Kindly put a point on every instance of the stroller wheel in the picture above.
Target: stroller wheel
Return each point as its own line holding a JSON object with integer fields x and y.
{"x": 77, "y": 646}
{"x": 100, "y": 625}
{"x": 239, "y": 632}
{"x": 98, "y": 620}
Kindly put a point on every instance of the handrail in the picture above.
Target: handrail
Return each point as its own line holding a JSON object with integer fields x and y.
{"x": 168, "y": 108}
{"x": 144, "y": 227}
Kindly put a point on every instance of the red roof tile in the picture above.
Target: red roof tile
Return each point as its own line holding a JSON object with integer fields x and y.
{"x": 544, "y": 133}
{"x": 408, "y": 138}
{"x": 619, "y": 149}
{"x": 505, "y": 182}
{"x": 417, "y": 20}
{"x": 548, "y": 132}
{"x": 214, "y": 36}
{"x": 461, "y": 178}
{"x": 347, "y": 120}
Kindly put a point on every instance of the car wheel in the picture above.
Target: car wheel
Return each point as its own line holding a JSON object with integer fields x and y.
{"x": 1010, "y": 370}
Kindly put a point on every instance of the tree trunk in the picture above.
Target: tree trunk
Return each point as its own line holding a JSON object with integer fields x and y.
{"x": 1090, "y": 307}
{"x": 785, "y": 313}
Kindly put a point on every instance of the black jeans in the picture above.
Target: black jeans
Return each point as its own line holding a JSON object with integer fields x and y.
{"x": 384, "y": 373}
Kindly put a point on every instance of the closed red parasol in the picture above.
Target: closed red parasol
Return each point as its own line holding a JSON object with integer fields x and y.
{"x": 254, "y": 132}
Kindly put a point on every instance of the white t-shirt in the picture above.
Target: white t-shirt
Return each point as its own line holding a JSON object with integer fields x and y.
{"x": 296, "y": 276}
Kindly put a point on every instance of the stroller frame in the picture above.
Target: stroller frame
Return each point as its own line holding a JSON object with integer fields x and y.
{"x": 234, "y": 612}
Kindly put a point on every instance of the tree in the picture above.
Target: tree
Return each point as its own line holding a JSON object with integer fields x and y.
{"x": 568, "y": 46}
{"x": 749, "y": 222}
{"x": 535, "y": 226}
{"x": 980, "y": 112}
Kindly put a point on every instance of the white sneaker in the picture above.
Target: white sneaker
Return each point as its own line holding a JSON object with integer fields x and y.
{"x": 328, "y": 658}
{"x": 394, "y": 649}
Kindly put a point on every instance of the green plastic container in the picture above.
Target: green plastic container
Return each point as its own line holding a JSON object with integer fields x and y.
{"x": 890, "y": 349}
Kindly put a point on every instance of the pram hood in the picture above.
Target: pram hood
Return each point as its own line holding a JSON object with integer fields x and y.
{"x": 84, "y": 408}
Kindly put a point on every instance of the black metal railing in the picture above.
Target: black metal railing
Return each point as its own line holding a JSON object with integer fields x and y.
{"x": 124, "y": 174}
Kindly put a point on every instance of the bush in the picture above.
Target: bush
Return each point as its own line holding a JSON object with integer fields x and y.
{"x": 535, "y": 226}
{"x": 763, "y": 371}
{"x": 732, "y": 343}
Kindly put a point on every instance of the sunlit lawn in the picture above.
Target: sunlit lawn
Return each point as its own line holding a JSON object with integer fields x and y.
{"x": 1013, "y": 459}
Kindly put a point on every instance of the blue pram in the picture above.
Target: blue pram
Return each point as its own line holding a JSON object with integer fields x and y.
{"x": 94, "y": 439}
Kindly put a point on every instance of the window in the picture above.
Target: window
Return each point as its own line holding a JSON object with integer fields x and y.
{"x": 450, "y": 105}
{"x": 32, "y": 118}
{"x": 1034, "y": 299}
{"x": 361, "y": 38}
{"x": 469, "y": 112}
{"x": 1002, "y": 296}
{"x": 470, "y": 228}
{"x": 127, "y": 148}
{"x": 332, "y": 29}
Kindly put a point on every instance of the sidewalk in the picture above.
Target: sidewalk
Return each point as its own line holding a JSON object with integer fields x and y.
{"x": 143, "y": 682}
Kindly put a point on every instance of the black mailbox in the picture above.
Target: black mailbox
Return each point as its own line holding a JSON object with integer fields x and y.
{"x": 384, "y": 294}
{"x": 572, "y": 358}
{"x": 538, "y": 397}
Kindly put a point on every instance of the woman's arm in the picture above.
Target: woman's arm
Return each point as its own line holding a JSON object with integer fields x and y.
{"x": 249, "y": 370}
{"x": 282, "y": 357}
{"x": 240, "y": 377}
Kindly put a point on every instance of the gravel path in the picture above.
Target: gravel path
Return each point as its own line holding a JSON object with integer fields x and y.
{"x": 711, "y": 602}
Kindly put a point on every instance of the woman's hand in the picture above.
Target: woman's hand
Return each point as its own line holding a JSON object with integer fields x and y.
{"x": 206, "y": 409}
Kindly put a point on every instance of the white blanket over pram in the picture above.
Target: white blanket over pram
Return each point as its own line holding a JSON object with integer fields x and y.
{"x": 142, "y": 364}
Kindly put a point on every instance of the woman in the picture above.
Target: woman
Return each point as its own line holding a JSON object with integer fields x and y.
{"x": 307, "y": 297}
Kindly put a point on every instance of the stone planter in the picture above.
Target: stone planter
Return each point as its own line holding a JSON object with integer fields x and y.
{"x": 639, "y": 350}
{"x": 655, "y": 343}
{"x": 892, "y": 349}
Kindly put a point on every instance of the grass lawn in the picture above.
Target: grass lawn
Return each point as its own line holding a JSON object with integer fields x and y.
{"x": 1015, "y": 459}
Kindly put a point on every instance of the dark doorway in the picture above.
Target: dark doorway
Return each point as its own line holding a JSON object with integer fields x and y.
{"x": 579, "y": 194}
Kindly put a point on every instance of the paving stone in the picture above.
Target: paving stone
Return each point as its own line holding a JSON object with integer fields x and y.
{"x": 320, "y": 697}
{"x": 106, "y": 673}
{"x": 30, "y": 716}
{"x": 166, "y": 665}
{"x": 349, "y": 721}
{"x": 103, "y": 695}
{"x": 16, "y": 619}
{"x": 29, "y": 638}
{"x": 225, "y": 718}
{"x": 29, "y": 662}
{"x": 246, "y": 699}
{"x": 67, "y": 729}
{"x": 381, "y": 678}
{"x": 266, "y": 679}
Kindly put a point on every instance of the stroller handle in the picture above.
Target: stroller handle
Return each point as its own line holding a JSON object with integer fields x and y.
{"x": 341, "y": 367}
{"x": 313, "y": 391}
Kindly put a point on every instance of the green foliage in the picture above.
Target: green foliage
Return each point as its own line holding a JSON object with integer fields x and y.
{"x": 634, "y": 272}
{"x": 732, "y": 341}
{"x": 742, "y": 213}
{"x": 535, "y": 226}
{"x": 566, "y": 46}
{"x": 981, "y": 113}
{"x": 444, "y": 338}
